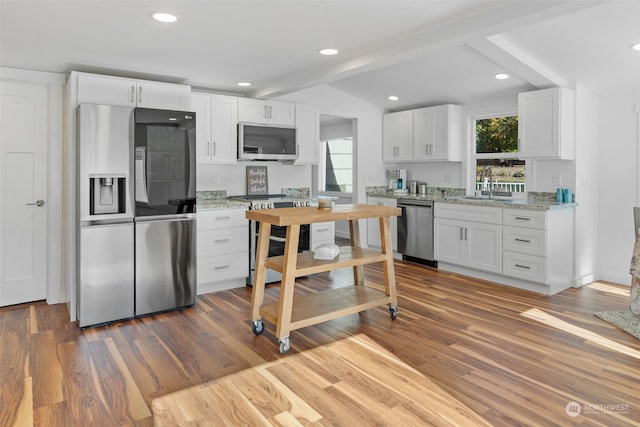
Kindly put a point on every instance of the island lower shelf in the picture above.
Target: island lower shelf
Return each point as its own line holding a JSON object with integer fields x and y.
{"x": 322, "y": 306}
{"x": 347, "y": 257}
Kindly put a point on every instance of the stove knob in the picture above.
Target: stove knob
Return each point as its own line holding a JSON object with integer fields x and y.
{"x": 306, "y": 203}
{"x": 259, "y": 205}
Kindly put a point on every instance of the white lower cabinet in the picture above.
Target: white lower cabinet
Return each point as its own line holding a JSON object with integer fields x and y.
{"x": 373, "y": 225}
{"x": 528, "y": 249}
{"x": 471, "y": 244}
{"x": 322, "y": 232}
{"x": 223, "y": 249}
{"x": 538, "y": 246}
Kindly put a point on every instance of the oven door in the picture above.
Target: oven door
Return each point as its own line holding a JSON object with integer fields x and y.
{"x": 277, "y": 242}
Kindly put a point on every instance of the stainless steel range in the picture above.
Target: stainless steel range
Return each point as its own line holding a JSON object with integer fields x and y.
{"x": 278, "y": 234}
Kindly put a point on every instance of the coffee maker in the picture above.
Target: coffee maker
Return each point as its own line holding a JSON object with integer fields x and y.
{"x": 397, "y": 179}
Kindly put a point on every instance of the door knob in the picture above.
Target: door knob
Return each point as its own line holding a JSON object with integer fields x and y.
{"x": 37, "y": 203}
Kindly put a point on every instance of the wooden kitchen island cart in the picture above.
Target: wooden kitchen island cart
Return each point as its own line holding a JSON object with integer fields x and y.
{"x": 291, "y": 313}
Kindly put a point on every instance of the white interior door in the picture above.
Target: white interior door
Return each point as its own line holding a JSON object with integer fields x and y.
{"x": 23, "y": 192}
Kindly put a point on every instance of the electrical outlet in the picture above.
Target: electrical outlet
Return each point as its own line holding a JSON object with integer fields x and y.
{"x": 447, "y": 177}
{"x": 556, "y": 179}
{"x": 216, "y": 180}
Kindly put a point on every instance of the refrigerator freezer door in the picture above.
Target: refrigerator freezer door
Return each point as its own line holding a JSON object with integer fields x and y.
{"x": 105, "y": 286}
{"x": 165, "y": 265}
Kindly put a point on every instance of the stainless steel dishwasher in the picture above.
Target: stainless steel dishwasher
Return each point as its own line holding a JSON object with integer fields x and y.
{"x": 415, "y": 231}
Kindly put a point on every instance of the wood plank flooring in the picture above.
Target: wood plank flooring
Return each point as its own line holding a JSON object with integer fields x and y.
{"x": 513, "y": 357}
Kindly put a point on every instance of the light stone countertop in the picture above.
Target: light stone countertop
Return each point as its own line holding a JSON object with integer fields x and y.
{"x": 540, "y": 203}
{"x": 207, "y": 205}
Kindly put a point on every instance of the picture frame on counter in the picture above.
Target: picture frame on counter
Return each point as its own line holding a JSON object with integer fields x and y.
{"x": 257, "y": 180}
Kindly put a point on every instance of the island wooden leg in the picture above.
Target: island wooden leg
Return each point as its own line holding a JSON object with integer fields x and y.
{"x": 287, "y": 284}
{"x": 260, "y": 273}
{"x": 354, "y": 233}
{"x": 387, "y": 265}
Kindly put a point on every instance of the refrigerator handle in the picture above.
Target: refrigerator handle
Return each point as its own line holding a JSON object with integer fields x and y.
{"x": 178, "y": 217}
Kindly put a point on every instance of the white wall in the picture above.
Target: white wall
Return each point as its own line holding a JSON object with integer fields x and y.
{"x": 585, "y": 184}
{"x": 367, "y": 133}
{"x": 618, "y": 184}
{"x": 232, "y": 178}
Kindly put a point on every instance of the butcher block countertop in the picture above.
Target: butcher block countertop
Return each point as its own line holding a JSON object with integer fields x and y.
{"x": 310, "y": 215}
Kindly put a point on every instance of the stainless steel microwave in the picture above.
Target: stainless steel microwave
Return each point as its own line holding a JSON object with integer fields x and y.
{"x": 259, "y": 142}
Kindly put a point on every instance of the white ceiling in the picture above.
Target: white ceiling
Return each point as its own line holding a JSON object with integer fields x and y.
{"x": 426, "y": 52}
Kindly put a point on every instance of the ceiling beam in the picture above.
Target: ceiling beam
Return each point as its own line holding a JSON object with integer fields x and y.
{"x": 496, "y": 19}
{"x": 518, "y": 62}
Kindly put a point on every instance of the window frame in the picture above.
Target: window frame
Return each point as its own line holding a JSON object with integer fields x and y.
{"x": 474, "y": 156}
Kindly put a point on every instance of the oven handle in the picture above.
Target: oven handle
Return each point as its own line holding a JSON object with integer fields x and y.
{"x": 278, "y": 239}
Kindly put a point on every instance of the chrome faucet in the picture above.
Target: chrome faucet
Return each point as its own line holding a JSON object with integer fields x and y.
{"x": 484, "y": 169}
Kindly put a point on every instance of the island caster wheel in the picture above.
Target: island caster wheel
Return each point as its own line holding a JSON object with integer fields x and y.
{"x": 257, "y": 326}
{"x": 393, "y": 312}
{"x": 284, "y": 345}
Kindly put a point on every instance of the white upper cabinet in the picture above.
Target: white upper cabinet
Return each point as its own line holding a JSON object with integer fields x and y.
{"x": 216, "y": 128}
{"x": 546, "y": 124}
{"x": 119, "y": 91}
{"x": 397, "y": 136}
{"x": 436, "y": 133}
{"x": 424, "y": 134}
{"x": 308, "y": 125}
{"x": 266, "y": 112}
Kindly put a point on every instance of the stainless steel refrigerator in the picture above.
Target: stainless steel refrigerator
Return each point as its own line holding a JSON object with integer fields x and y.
{"x": 136, "y": 247}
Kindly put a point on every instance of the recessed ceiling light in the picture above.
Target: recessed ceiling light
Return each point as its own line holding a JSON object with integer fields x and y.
{"x": 635, "y": 46}
{"x": 164, "y": 17}
{"x": 501, "y": 76}
{"x": 244, "y": 84}
{"x": 328, "y": 51}
{"x": 393, "y": 98}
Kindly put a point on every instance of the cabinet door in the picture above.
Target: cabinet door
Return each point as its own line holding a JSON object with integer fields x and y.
{"x": 436, "y": 133}
{"x": 224, "y": 129}
{"x": 397, "y": 136}
{"x": 545, "y": 124}
{"x": 423, "y": 133}
{"x": 308, "y": 124}
{"x": 252, "y": 111}
{"x": 108, "y": 90}
{"x": 484, "y": 246}
{"x": 281, "y": 113}
{"x": 201, "y": 105}
{"x": 448, "y": 241}
{"x": 164, "y": 96}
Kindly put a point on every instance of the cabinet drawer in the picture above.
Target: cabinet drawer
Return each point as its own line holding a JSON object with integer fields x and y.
{"x": 524, "y": 218}
{"x": 487, "y": 214}
{"x": 527, "y": 267}
{"x": 221, "y": 219}
{"x": 524, "y": 240}
{"x": 221, "y": 242}
{"x": 216, "y": 269}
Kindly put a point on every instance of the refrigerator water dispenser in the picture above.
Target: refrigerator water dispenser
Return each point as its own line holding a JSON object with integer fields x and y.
{"x": 107, "y": 195}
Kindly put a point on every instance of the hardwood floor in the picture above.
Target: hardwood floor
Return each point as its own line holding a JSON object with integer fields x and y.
{"x": 514, "y": 357}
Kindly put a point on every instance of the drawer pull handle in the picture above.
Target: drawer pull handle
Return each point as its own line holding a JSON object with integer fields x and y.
{"x": 523, "y": 266}
{"x": 523, "y": 240}
{"x": 221, "y": 240}
{"x": 322, "y": 229}
{"x": 222, "y": 218}
{"x": 221, "y": 267}
{"x": 523, "y": 218}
